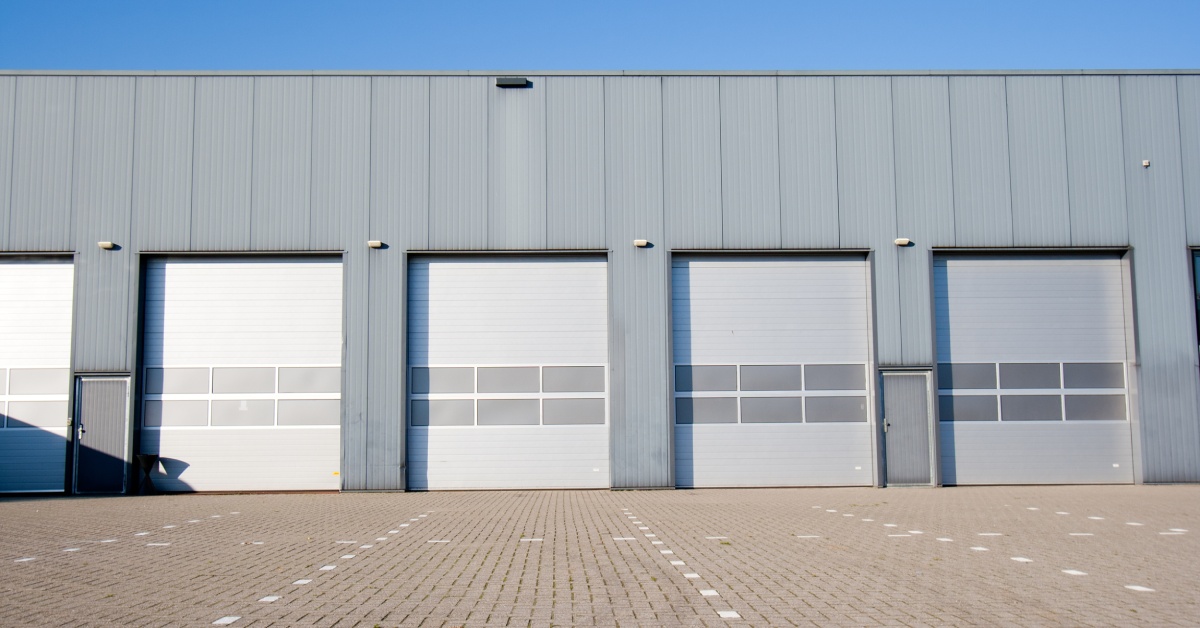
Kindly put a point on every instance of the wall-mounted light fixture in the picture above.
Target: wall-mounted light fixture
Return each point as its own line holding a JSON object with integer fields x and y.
{"x": 1145, "y": 163}
{"x": 641, "y": 244}
{"x": 902, "y": 242}
{"x": 107, "y": 246}
{"x": 512, "y": 81}
{"x": 375, "y": 244}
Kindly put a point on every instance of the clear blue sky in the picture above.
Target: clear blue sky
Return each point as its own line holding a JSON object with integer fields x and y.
{"x": 605, "y": 34}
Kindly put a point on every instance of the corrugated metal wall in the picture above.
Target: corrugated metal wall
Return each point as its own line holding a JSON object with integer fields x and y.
{"x": 591, "y": 162}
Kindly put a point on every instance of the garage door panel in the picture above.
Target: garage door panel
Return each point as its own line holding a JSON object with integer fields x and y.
{"x": 243, "y": 373}
{"x": 1032, "y": 360}
{"x": 508, "y": 373}
{"x": 759, "y": 345}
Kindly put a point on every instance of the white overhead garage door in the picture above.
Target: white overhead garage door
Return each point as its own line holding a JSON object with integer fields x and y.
{"x": 242, "y": 377}
{"x": 1032, "y": 370}
{"x": 35, "y": 358}
{"x": 508, "y": 374}
{"x": 772, "y": 372}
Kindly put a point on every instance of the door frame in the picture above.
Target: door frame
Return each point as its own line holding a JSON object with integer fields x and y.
{"x": 127, "y": 436}
{"x": 931, "y": 423}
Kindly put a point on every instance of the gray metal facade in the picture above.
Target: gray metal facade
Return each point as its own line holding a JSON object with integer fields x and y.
{"x": 773, "y": 161}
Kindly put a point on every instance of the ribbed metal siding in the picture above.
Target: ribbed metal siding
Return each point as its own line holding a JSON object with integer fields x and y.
{"x": 162, "y": 163}
{"x": 400, "y": 161}
{"x": 105, "y": 281}
{"x": 574, "y": 162}
{"x": 40, "y": 217}
{"x": 517, "y": 167}
{"x": 867, "y": 196}
{"x": 341, "y": 161}
{"x": 692, "y": 161}
{"x": 458, "y": 162}
{"x": 8, "y": 102}
{"x": 808, "y": 171}
{"x": 640, "y": 299}
{"x": 1169, "y": 389}
{"x": 750, "y": 162}
{"x": 924, "y": 201}
{"x": 1038, "y": 161}
{"x": 1095, "y": 158}
{"x": 280, "y": 186}
{"x": 1189, "y": 134}
{"x": 979, "y": 139}
{"x": 222, "y": 168}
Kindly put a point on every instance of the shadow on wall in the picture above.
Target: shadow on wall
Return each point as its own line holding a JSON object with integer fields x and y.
{"x": 166, "y": 475}
{"x": 417, "y": 456}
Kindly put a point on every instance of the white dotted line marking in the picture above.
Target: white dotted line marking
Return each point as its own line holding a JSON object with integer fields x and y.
{"x": 531, "y": 540}
{"x": 709, "y": 593}
{"x": 624, "y": 538}
{"x": 1081, "y": 534}
{"x": 109, "y": 541}
{"x": 915, "y": 532}
{"x": 1031, "y": 508}
{"x": 73, "y": 549}
{"x": 890, "y": 525}
{"x": 1096, "y": 518}
{"x": 329, "y": 568}
{"x": 25, "y": 560}
{"x": 1133, "y": 523}
{"x": 980, "y": 549}
{"x": 729, "y": 614}
{"x": 807, "y": 536}
{"x": 665, "y": 552}
{"x": 393, "y": 532}
{"x": 169, "y": 527}
{"x": 945, "y": 540}
{"x": 347, "y": 542}
{"x": 270, "y": 598}
{"x": 869, "y": 520}
{"x": 1139, "y": 588}
{"x": 365, "y": 546}
{"x": 1022, "y": 559}
{"x": 141, "y": 533}
{"x": 305, "y": 581}
{"x": 1074, "y": 572}
{"x": 991, "y": 534}
{"x": 714, "y": 538}
{"x": 1171, "y": 533}
{"x": 157, "y": 544}
{"x": 899, "y": 535}
{"x": 691, "y": 576}
{"x": 348, "y": 556}
{"x": 677, "y": 563}
{"x": 1062, "y": 513}
{"x": 225, "y": 621}
{"x": 1178, "y": 530}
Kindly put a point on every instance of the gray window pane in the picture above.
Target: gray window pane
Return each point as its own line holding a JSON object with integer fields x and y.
{"x": 243, "y": 412}
{"x": 185, "y": 380}
{"x": 173, "y": 413}
{"x": 772, "y": 410}
{"x": 443, "y": 380}
{"x": 243, "y": 380}
{"x": 3, "y": 381}
{"x": 310, "y": 412}
{"x": 689, "y": 378}
{"x": 310, "y": 380}
{"x": 706, "y": 410}
{"x": 523, "y": 379}
{"x": 573, "y": 411}
{"x": 573, "y": 379}
{"x": 1095, "y": 407}
{"x": 771, "y": 377}
{"x": 835, "y": 377}
{"x": 39, "y": 381}
{"x": 965, "y": 376}
{"x": 1029, "y": 376}
{"x": 442, "y": 412}
{"x": 1031, "y": 408}
{"x": 508, "y": 411}
{"x": 835, "y": 409}
{"x": 37, "y": 414}
{"x": 1094, "y": 375}
{"x": 967, "y": 408}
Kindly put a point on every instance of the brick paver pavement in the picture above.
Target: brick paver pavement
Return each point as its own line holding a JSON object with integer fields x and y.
{"x": 805, "y": 557}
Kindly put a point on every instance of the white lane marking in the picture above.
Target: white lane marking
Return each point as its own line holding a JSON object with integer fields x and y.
{"x": 1074, "y": 572}
{"x": 729, "y": 614}
{"x": 656, "y": 542}
{"x": 414, "y": 519}
{"x": 945, "y": 540}
{"x": 632, "y": 517}
{"x": 531, "y": 540}
{"x": 890, "y": 525}
{"x": 348, "y": 556}
{"x": 302, "y": 582}
{"x": 1096, "y": 518}
{"x": 818, "y": 507}
{"x": 713, "y": 538}
{"x": 1062, "y": 513}
{"x": 403, "y": 525}
{"x": 624, "y": 538}
{"x": 109, "y": 541}
{"x": 1030, "y": 508}
{"x": 665, "y": 552}
{"x": 637, "y": 523}
{"x": 869, "y": 520}
{"x": 382, "y": 538}
{"x": 365, "y": 546}
{"x": 225, "y": 621}
{"x": 642, "y": 527}
{"x": 807, "y": 536}
{"x": 1022, "y": 559}
{"x": 847, "y": 515}
{"x": 169, "y": 527}
{"x": 71, "y": 549}
{"x": 1081, "y": 534}
{"x": 24, "y": 560}
{"x": 422, "y": 516}
{"x": 898, "y": 535}
{"x": 691, "y": 576}
{"x": 708, "y": 593}
{"x": 270, "y": 598}
{"x": 140, "y": 533}
{"x": 193, "y": 521}
{"x": 256, "y": 542}
{"x": 157, "y": 544}
{"x": 393, "y": 532}
{"x": 347, "y": 542}
{"x": 651, "y": 536}
{"x": 915, "y": 532}
{"x": 1133, "y": 523}
{"x": 440, "y": 541}
{"x": 236, "y": 512}
{"x": 329, "y": 568}
{"x": 1178, "y": 530}
{"x": 980, "y": 549}
{"x": 1171, "y": 533}
{"x": 830, "y": 511}
{"x": 215, "y": 517}
{"x": 991, "y": 534}
{"x": 1134, "y": 587}
{"x": 677, "y": 563}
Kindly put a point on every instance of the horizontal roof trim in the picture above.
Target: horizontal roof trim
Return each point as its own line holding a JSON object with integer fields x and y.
{"x": 589, "y": 72}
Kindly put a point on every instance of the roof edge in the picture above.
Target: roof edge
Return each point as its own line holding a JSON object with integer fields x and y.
{"x": 4, "y": 72}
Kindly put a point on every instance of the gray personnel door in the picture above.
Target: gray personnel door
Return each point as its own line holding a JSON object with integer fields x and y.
{"x": 101, "y": 434}
{"x": 907, "y": 428}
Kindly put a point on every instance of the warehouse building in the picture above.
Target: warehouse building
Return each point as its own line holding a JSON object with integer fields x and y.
{"x": 428, "y": 281}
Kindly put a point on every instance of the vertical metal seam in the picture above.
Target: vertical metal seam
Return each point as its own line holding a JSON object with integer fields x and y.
{"x": 1179, "y": 133}
{"x": 1012, "y": 221}
{"x": 192, "y": 183}
{"x": 254, "y": 82}
{"x": 953, "y": 191}
{"x": 1125, "y": 169}
{"x": 72, "y": 211}
{"x": 545, "y": 165}
{"x": 896, "y": 213}
{"x": 1062, "y": 100}
{"x": 12, "y": 164}
{"x": 720, "y": 165}
{"x": 837, "y": 169}
{"x": 428, "y": 162}
{"x": 133, "y": 137}
{"x": 488, "y": 231}
{"x": 778, "y": 170}
{"x": 312, "y": 134}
